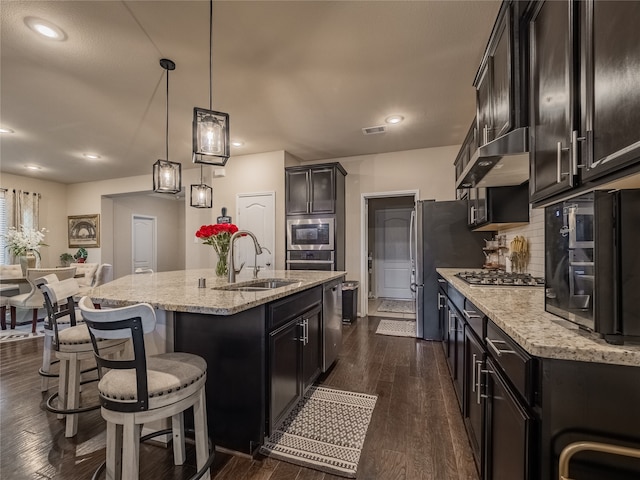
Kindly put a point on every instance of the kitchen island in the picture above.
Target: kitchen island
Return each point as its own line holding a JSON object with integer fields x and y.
{"x": 263, "y": 347}
{"x": 530, "y": 383}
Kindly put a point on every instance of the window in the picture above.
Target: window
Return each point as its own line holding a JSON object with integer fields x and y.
{"x": 4, "y": 257}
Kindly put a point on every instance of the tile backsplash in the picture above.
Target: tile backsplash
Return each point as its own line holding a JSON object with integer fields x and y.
{"x": 534, "y": 233}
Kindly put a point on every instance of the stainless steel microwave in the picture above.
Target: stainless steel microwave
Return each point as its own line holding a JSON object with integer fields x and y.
{"x": 310, "y": 233}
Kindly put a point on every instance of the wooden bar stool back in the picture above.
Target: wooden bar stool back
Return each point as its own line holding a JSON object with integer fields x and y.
{"x": 72, "y": 344}
{"x": 143, "y": 389}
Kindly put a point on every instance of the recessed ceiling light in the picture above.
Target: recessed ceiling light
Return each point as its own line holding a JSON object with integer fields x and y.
{"x": 237, "y": 143}
{"x": 394, "y": 119}
{"x": 46, "y": 29}
{"x": 6, "y": 130}
{"x": 33, "y": 167}
{"x": 91, "y": 156}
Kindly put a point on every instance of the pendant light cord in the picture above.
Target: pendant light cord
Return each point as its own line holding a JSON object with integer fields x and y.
{"x": 166, "y": 142}
{"x": 210, "y": 52}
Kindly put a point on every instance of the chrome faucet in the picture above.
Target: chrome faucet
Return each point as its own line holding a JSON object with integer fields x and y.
{"x": 232, "y": 268}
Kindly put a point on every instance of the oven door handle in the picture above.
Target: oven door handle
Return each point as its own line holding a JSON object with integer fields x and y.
{"x": 309, "y": 261}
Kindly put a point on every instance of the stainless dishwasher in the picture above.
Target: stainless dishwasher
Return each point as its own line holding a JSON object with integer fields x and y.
{"x": 331, "y": 322}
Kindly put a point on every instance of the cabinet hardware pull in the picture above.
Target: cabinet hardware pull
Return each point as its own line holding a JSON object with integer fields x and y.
{"x": 559, "y": 172}
{"x": 470, "y": 314}
{"x": 442, "y": 280}
{"x": 478, "y": 369}
{"x": 574, "y": 152}
{"x": 440, "y": 305}
{"x": 473, "y": 215}
{"x": 474, "y": 373}
{"x": 497, "y": 351}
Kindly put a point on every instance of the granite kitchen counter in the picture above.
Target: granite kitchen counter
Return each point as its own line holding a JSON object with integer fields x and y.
{"x": 519, "y": 311}
{"x": 178, "y": 291}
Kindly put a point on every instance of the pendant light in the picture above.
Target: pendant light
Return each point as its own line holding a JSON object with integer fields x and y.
{"x": 210, "y": 128}
{"x": 167, "y": 175}
{"x": 202, "y": 194}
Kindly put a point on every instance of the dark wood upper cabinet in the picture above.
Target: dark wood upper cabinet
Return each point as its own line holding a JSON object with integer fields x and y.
{"x": 314, "y": 189}
{"x": 584, "y": 104}
{"x": 550, "y": 90}
{"x": 611, "y": 74}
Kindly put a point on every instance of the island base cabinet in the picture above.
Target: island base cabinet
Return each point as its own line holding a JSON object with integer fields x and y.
{"x": 234, "y": 348}
{"x": 284, "y": 351}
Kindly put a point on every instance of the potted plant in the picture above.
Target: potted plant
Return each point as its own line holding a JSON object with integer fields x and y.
{"x": 66, "y": 259}
{"x": 81, "y": 255}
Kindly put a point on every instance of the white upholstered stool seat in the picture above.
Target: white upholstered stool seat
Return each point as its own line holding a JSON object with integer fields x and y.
{"x": 144, "y": 389}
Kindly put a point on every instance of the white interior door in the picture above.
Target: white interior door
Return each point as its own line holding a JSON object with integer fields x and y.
{"x": 143, "y": 233}
{"x": 256, "y": 212}
{"x": 392, "y": 262}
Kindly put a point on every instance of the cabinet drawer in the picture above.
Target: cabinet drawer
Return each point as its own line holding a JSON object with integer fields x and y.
{"x": 512, "y": 359}
{"x": 474, "y": 317}
{"x": 456, "y": 298}
{"x": 281, "y": 311}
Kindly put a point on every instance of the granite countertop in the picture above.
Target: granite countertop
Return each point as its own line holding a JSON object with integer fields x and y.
{"x": 178, "y": 291}
{"x": 519, "y": 311}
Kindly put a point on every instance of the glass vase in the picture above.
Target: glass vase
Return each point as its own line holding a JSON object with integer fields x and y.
{"x": 222, "y": 268}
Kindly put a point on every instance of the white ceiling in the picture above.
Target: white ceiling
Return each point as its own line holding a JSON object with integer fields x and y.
{"x": 300, "y": 76}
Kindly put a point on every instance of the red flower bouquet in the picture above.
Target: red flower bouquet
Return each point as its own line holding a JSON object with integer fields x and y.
{"x": 219, "y": 237}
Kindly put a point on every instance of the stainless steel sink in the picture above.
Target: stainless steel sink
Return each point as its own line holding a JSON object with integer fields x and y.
{"x": 258, "y": 285}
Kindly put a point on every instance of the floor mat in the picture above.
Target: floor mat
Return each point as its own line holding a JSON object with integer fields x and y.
{"x": 397, "y": 306}
{"x": 21, "y": 332}
{"x": 397, "y": 328}
{"x": 325, "y": 431}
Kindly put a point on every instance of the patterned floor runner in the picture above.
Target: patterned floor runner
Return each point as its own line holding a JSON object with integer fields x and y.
{"x": 397, "y": 306}
{"x": 397, "y": 328}
{"x": 21, "y": 332}
{"x": 325, "y": 431}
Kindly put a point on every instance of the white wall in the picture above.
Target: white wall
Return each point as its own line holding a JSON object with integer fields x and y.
{"x": 53, "y": 215}
{"x": 170, "y": 240}
{"x": 534, "y": 233}
{"x": 262, "y": 172}
{"x": 428, "y": 170}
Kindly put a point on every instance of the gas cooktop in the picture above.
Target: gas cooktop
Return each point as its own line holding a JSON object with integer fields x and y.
{"x": 499, "y": 278}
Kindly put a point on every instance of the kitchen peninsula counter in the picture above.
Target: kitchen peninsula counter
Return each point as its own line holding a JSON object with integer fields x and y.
{"x": 519, "y": 311}
{"x": 178, "y": 291}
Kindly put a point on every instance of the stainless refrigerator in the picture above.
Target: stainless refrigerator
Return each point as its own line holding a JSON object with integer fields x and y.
{"x": 442, "y": 240}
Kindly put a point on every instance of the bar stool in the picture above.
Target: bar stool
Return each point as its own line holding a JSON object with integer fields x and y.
{"x": 144, "y": 389}
{"x": 72, "y": 345}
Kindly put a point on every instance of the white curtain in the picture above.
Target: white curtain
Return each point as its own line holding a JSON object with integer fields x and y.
{"x": 23, "y": 209}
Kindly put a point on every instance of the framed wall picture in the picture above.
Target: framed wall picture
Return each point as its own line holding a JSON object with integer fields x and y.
{"x": 84, "y": 231}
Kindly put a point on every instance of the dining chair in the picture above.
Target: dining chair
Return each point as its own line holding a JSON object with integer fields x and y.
{"x": 142, "y": 389}
{"x": 72, "y": 344}
{"x": 33, "y": 299}
{"x": 89, "y": 271}
{"x": 7, "y": 273}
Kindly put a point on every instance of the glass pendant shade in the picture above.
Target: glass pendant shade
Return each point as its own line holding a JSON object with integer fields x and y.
{"x": 167, "y": 176}
{"x": 201, "y": 196}
{"x": 210, "y": 137}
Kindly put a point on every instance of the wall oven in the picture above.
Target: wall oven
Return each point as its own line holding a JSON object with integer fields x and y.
{"x": 310, "y": 233}
{"x": 311, "y": 260}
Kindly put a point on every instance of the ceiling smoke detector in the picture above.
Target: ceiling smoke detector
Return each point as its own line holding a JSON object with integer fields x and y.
{"x": 374, "y": 130}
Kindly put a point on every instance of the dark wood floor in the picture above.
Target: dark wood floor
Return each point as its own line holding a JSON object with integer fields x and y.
{"x": 416, "y": 432}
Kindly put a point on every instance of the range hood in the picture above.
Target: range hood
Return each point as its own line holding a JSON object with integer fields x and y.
{"x": 501, "y": 162}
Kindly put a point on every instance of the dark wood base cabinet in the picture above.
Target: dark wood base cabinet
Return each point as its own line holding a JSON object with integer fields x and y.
{"x": 509, "y": 445}
{"x": 259, "y": 363}
{"x": 521, "y": 411}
